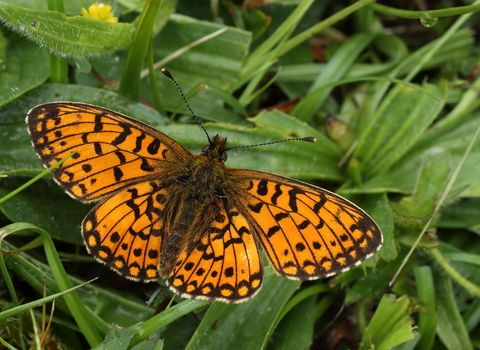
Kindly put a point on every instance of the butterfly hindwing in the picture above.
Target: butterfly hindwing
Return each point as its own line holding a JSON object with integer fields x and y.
{"x": 126, "y": 231}
{"x": 112, "y": 151}
{"x": 307, "y": 232}
{"x": 224, "y": 264}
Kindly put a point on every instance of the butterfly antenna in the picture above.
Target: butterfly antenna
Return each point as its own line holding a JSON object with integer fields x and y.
{"x": 169, "y": 76}
{"x": 306, "y": 139}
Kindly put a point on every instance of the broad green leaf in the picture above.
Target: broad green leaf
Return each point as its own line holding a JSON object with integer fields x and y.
{"x": 24, "y": 67}
{"x": 403, "y": 177}
{"x": 16, "y": 155}
{"x": 390, "y": 325}
{"x": 296, "y": 329}
{"x": 72, "y": 7}
{"x": 116, "y": 338}
{"x": 244, "y": 326}
{"x": 69, "y": 36}
{"x": 401, "y": 119}
{"x": 216, "y": 61}
{"x": 292, "y": 127}
{"x": 46, "y": 205}
{"x": 461, "y": 214}
{"x": 430, "y": 185}
{"x": 367, "y": 281}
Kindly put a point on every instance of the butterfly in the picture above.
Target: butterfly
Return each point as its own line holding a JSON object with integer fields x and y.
{"x": 164, "y": 212}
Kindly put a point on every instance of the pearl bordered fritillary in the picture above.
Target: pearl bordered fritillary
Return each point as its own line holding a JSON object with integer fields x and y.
{"x": 165, "y": 212}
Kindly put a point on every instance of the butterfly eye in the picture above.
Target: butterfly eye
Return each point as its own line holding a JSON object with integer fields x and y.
{"x": 205, "y": 148}
{"x": 223, "y": 156}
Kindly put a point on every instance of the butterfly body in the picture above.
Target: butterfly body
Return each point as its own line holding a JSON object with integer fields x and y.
{"x": 164, "y": 212}
{"x": 193, "y": 194}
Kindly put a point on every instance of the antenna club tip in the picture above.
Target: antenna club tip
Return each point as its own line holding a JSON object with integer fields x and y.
{"x": 166, "y": 73}
{"x": 310, "y": 139}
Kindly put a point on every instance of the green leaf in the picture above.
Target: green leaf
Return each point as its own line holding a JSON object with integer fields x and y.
{"x": 116, "y": 338}
{"x": 390, "y": 325}
{"x": 24, "y": 67}
{"x": 339, "y": 64}
{"x": 130, "y": 82}
{"x": 154, "y": 343}
{"x": 296, "y": 329}
{"x": 15, "y": 113}
{"x": 247, "y": 325}
{"x": 404, "y": 175}
{"x": 216, "y": 61}
{"x": 427, "y": 319}
{"x": 430, "y": 185}
{"x": 451, "y": 327}
{"x": 292, "y": 77}
{"x": 405, "y": 113}
{"x": 369, "y": 282}
{"x": 70, "y": 36}
{"x": 461, "y": 214}
{"x": 39, "y": 204}
{"x": 166, "y": 317}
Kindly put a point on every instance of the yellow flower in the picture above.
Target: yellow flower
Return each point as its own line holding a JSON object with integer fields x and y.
{"x": 100, "y": 11}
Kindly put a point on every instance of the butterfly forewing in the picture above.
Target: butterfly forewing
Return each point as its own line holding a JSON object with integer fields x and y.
{"x": 307, "y": 232}
{"x": 112, "y": 151}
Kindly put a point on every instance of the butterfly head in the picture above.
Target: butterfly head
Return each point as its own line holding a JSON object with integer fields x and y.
{"x": 216, "y": 149}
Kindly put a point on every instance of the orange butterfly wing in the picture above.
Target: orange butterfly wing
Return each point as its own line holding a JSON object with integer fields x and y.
{"x": 126, "y": 231}
{"x": 113, "y": 151}
{"x": 120, "y": 160}
{"x": 224, "y": 264}
{"x": 306, "y": 231}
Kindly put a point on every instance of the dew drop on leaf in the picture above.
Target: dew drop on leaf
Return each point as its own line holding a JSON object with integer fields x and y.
{"x": 428, "y": 20}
